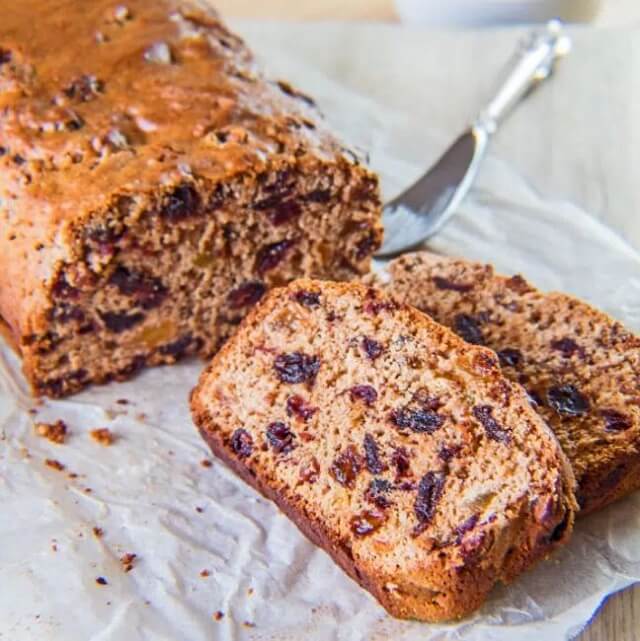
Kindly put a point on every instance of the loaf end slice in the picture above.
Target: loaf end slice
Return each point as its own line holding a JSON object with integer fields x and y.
{"x": 580, "y": 367}
{"x": 391, "y": 443}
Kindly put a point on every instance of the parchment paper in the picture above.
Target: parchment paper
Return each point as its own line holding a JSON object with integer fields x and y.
{"x": 205, "y": 541}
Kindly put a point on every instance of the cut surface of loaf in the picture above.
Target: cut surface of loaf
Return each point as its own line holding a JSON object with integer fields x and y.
{"x": 580, "y": 367}
{"x": 154, "y": 184}
{"x": 392, "y": 444}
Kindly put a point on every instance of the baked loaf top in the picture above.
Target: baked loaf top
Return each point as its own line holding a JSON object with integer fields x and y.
{"x": 391, "y": 442}
{"x": 102, "y": 100}
{"x": 580, "y": 367}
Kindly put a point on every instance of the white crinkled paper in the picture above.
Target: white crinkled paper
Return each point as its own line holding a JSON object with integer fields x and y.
{"x": 151, "y": 496}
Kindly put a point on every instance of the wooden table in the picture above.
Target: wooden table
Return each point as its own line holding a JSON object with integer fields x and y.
{"x": 619, "y": 618}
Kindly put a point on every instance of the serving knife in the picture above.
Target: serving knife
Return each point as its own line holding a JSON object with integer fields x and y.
{"x": 421, "y": 211}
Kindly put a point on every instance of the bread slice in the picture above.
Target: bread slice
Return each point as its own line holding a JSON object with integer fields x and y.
{"x": 580, "y": 367}
{"x": 390, "y": 442}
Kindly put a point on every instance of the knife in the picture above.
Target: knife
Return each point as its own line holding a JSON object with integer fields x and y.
{"x": 421, "y": 211}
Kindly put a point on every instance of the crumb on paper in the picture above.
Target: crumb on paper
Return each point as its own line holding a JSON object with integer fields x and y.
{"x": 98, "y": 532}
{"x": 122, "y": 401}
{"x": 218, "y": 615}
{"x": 100, "y": 580}
{"x": 55, "y": 432}
{"x": 87, "y": 490}
{"x": 249, "y": 591}
{"x": 103, "y": 435}
{"x": 205, "y": 573}
{"x": 72, "y": 475}
{"x": 33, "y": 411}
{"x": 249, "y": 624}
{"x": 54, "y": 464}
{"x": 142, "y": 417}
{"x": 199, "y": 510}
{"x": 206, "y": 463}
{"x": 127, "y": 560}
{"x": 54, "y": 545}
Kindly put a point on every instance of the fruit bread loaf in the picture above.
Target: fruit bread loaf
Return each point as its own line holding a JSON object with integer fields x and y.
{"x": 153, "y": 185}
{"x": 580, "y": 367}
{"x": 390, "y": 442}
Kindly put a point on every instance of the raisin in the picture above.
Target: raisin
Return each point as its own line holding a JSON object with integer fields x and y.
{"x": 310, "y": 471}
{"x": 178, "y": 347}
{"x": 62, "y": 289}
{"x": 430, "y": 491}
{"x": 148, "y": 291}
{"x": 445, "y": 283}
{"x": 283, "y": 211}
{"x": 567, "y": 400}
{"x": 372, "y": 348}
{"x": 417, "y": 420}
{"x": 468, "y": 328}
{"x": 280, "y": 437}
{"x": 374, "y": 305}
{"x": 346, "y": 467}
{"x": 319, "y": 196}
{"x": 367, "y": 522}
{"x": 372, "y": 455}
{"x": 84, "y": 88}
{"x": 120, "y": 321}
{"x": 494, "y": 430}
{"x": 447, "y": 452}
{"x": 18, "y": 159}
{"x": 615, "y": 421}
{"x": 466, "y": 526}
{"x": 242, "y": 443}
{"x": 297, "y": 406}
{"x": 64, "y": 313}
{"x": 307, "y": 298}
{"x": 377, "y": 492}
{"x": 270, "y": 256}
{"x": 182, "y": 202}
{"x": 247, "y": 294}
{"x": 367, "y": 246}
{"x": 400, "y": 460}
{"x": 296, "y": 367}
{"x": 567, "y": 346}
{"x": 364, "y": 393}
{"x": 510, "y": 357}
{"x": 5, "y": 56}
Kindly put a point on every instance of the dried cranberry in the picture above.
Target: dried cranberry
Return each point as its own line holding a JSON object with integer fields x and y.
{"x": 120, "y": 321}
{"x": 84, "y": 88}
{"x": 297, "y": 406}
{"x": 378, "y": 491}
{"x": 445, "y": 283}
{"x": 307, "y": 298}
{"x": 615, "y": 421}
{"x": 242, "y": 443}
{"x": 182, "y": 202}
{"x": 280, "y": 437}
{"x": 510, "y": 357}
{"x": 367, "y": 522}
{"x": 430, "y": 490}
{"x": 270, "y": 256}
{"x": 466, "y": 526}
{"x": 364, "y": 393}
{"x": 494, "y": 430}
{"x": 177, "y": 348}
{"x": 468, "y": 328}
{"x": 372, "y": 348}
{"x": 346, "y": 467}
{"x": 247, "y": 294}
{"x": 372, "y": 455}
{"x": 148, "y": 291}
{"x": 297, "y": 367}
{"x": 567, "y": 400}
{"x": 400, "y": 460}
{"x": 417, "y": 420}
{"x": 5, "y": 56}
{"x": 567, "y": 346}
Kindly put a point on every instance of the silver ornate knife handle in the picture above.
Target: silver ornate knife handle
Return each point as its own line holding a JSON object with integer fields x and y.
{"x": 421, "y": 210}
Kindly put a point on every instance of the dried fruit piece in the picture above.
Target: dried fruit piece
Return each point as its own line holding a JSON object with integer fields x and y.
{"x": 367, "y": 522}
{"x": 118, "y": 322}
{"x": 468, "y": 328}
{"x": 297, "y": 367}
{"x": 242, "y": 443}
{"x": 182, "y": 202}
{"x": 417, "y": 420}
{"x": 494, "y": 430}
{"x": 400, "y": 460}
{"x": 297, "y": 406}
{"x": 445, "y": 283}
{"x": 615, "y": 421}
{"x": 247, "y": 294}
{"x": 365, "y": 393}
{"x": 378, "y": 492}
{"x": 567, "y": 346}
{"x": 346, "y": 467}
{"x": 148, "y": 291}
{"x": 466, "y": 526}
{"x": 510, "y": 357}
{"x": 103, "y": 435}
{"x": 372, "y": 348}
{"x": 55, "y": 432}
{"x": 567, "y": 400}
{"x": 310, "y": 471}
{"x": 280, "y": 437}
{"x": 372, "y": 455}
{"x": 306, "y": 298}
{"x": 430, "y": 490}
{"x": 127, "y": 561}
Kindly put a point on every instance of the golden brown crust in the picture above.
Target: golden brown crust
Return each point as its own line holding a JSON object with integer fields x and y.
{"x": 428, "y": 585}
{"x": 579, "y": 365}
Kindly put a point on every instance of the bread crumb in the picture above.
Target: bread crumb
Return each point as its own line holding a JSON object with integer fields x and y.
{"x": 56, "y": 465}
{"x": 55, "y": 432}
{"x": 250, "y": 591}
{"x": 218, "y": 615}
{"x": 98, "y": 532}
{"x": 199, "y": 510}
{"x": 205, "y": 573}
{"x": 249, "y": 624}
{"x": 87, "y": 490}
{"x": 100, "y": 580}
{"x": 206, "y": 463}
{"x": 122, "y": 401}
{"x": 128, "y": 560}
{"x": 103, "y": 435}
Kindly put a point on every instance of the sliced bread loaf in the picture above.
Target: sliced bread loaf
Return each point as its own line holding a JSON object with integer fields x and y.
{"x": 580, "y": 367}
{"x": 390, "y": 442}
